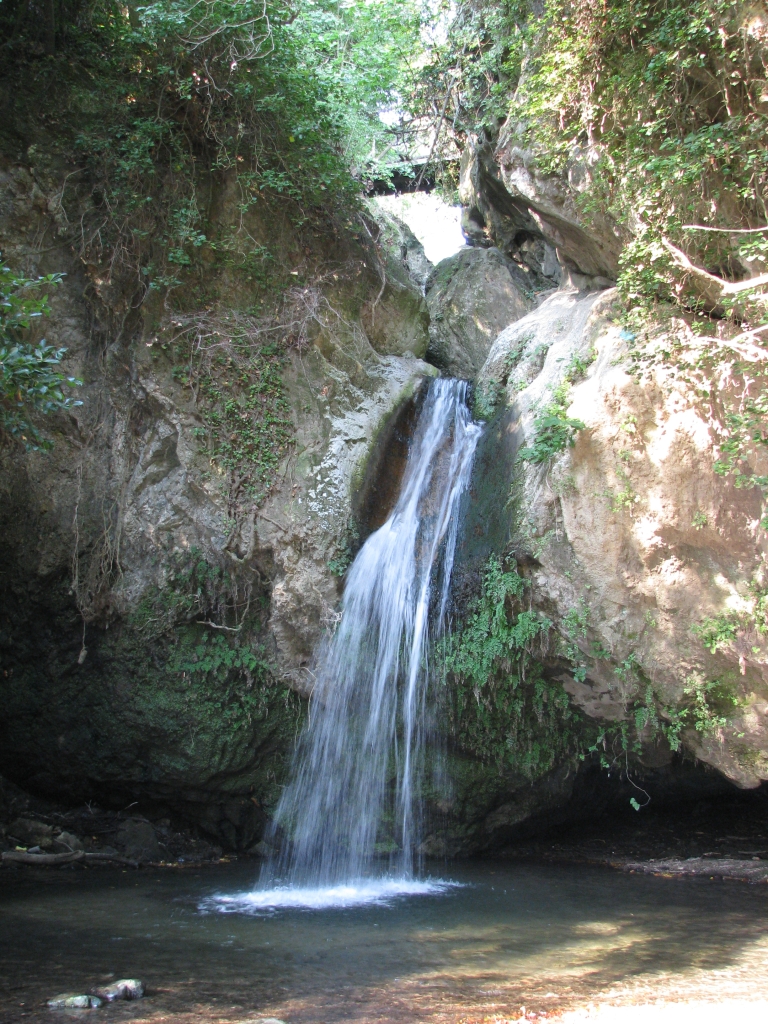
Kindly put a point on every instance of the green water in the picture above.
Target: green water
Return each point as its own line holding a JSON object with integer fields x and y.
{"x": 542, "y": 936}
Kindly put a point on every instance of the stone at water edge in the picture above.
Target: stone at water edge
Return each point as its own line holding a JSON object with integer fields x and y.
{"x": 73, "y": 1001}
{"x": 139, "y": 842}
{"x": 31, "y": 833}
{"x": 66, "y": 842}
{"x": 126, "y": 988}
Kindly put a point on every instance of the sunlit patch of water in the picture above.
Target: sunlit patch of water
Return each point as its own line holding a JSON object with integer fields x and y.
{"x": 365, "y": 892}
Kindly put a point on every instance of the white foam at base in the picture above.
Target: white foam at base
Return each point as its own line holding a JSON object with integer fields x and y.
{"x": 368, "y": 891}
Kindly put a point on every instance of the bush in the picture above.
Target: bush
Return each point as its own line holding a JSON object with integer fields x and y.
{"x": 30, "y": 378}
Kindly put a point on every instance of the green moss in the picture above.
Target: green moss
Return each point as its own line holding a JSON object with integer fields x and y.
{"x": 501, "y": 706}
{"x": 345, "y": 552}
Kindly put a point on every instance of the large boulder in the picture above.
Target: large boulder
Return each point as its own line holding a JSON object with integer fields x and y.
{"x": 396, "y": 319}
{"x": 472, "y": 296}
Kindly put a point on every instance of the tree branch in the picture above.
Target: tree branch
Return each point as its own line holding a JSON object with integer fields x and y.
{"x": 711, "y": 288}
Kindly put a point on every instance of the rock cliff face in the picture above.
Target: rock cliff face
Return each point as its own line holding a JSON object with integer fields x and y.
{"x": 161, "y": 608}
{"x": 534, "y": 216}
{"x": 635, "y": 546}
{"x": 159, "y": 617}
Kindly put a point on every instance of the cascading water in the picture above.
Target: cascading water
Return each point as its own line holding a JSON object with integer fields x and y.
{"x": 360, "y": 758}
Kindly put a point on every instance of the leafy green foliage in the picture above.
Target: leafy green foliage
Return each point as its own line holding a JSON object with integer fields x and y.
{"x": 31, "y": 380}
{"x": 661, "y": 101}
{"x": 623, "y": 500}
{"x": 192, "y": 587}
{"x": 554, "y": 430}
{"x": 235, "y": 375}
{"x": 576, "y": 624}
{"x": 710, "y": 703}
{"x": 250, "y": 428}
{"x": 196, "y": 639}
{"x": 501, "y": 708}
{"x": 718, "y": 632}
{"x": 164, "y": 102}
{"x": 230, "y": 680}
{"x": 474, "y": 54}
{"x": 667, "y": 95}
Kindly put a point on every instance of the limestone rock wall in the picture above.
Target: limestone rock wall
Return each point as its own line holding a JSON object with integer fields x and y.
{"x": 94, "y": 533}
{"x": 533, "y": 216}
{"x": 631, "y": 538}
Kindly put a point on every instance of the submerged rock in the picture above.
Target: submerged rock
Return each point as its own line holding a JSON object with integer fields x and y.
{"x": 74, "y": 1001}
{"x": 66, "y": 841}
{"x": 261, "y": 849}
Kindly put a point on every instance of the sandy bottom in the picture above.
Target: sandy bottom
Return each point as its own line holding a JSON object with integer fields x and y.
{"x": 717, "y": 1011}
{"x": 512, "y": 942}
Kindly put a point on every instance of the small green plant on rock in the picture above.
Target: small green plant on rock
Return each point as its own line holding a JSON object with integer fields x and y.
{"x": 554, "y": 430}
{"x": 717, "y": 632}
{"x": 625, "y": 499}
{"x": 487, "y": 396}
{"x": 236, "y": 375}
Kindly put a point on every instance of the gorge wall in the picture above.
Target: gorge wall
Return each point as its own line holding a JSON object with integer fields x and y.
{"x": 170, "y": 565}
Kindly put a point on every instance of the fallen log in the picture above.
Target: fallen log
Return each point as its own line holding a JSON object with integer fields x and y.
{"x": 54, "y": 859}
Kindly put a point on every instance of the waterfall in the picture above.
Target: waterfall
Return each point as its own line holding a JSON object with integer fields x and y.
{"x": 360, "y": 758}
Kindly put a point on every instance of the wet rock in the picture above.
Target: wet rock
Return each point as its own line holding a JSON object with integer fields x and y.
{"x": 126, "y": 988}
{"x": 74, "y": 1001}
{"x": 139, "y": 842}
{"x": 261, "y": 849}
{"x": 29, "y": 832}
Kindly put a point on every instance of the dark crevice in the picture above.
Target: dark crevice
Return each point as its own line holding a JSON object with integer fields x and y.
{"x": 379, "y": 490}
